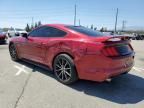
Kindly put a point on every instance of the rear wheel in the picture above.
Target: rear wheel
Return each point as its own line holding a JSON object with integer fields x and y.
{"x": 13, "y": 52}
{"x": 64, "y": 69}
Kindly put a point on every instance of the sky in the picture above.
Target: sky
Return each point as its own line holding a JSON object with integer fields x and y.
{"x": 100, "y": 13}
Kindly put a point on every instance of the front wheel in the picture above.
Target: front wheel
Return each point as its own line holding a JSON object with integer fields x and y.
{"x": 64, "y": 69}
{"x": 13, "y": 52}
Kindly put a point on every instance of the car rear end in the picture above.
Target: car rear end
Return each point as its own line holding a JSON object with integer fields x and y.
{"x": 101, "y": 56}
{"x": 2, "y": 38}
{"x": 106, "y": 58}
{"x": 120, "y": 54}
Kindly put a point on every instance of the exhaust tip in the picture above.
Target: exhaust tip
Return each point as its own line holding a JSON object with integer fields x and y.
{"x": 108, "y": 80}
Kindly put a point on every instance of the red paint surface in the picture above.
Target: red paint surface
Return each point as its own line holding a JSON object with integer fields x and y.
{"x": 90, "y": 62}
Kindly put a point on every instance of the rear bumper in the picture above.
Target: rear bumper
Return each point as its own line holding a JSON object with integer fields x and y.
{"x": 100, "y": 68}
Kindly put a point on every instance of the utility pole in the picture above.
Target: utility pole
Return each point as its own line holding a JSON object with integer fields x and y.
{"x": 75, "y": 15}
{"x": 116, "y": 21}
{"x": 123, "y": 25}
{"x": 79, "y": 22}
{"x": 32, "y": 21}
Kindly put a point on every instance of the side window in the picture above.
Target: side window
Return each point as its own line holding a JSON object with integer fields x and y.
{"x": 56, "y": 32}
{"x": 46, "y": 31}
{"x": 35, "y": 33}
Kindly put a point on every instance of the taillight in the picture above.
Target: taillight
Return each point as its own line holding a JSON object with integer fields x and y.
{"x": 118, "y": 50}
{"x": 110, "y": 51}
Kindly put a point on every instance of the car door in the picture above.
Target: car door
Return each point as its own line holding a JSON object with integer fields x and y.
{"x": 54, "y": 37}
{"x": 46, "y": 38}
{"x": 36, "y": 44}
{"x": 35, "y": 49}
{"x": 39, "y": 41}
{"x": 31, "y": 48}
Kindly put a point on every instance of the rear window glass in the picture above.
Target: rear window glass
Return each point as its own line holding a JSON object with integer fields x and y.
{"x": 86, "y": 31}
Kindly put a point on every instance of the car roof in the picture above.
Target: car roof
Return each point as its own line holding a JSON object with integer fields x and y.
{"x": 57, "y": 25}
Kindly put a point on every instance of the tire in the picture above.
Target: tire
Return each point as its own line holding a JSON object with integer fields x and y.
{"x": 13, "y": 52}
{"x": 64, "y": 69}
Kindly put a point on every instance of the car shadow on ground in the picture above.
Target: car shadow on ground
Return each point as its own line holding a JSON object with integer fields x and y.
{"x": 125, "y": 89}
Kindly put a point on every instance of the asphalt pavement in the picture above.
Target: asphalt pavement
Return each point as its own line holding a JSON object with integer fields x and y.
{"x": 23, "y": 85}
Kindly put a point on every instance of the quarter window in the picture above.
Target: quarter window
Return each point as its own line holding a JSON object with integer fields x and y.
{"x": 86, "y": 31}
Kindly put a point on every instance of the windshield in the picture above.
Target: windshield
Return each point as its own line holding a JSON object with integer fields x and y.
{"x": 86, "y": 31}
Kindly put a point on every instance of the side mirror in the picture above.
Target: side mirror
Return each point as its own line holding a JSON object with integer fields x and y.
{"x": 25, "y": 35}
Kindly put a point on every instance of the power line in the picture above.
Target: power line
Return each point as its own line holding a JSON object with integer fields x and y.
{"x": 36, "y": 9}
{"x": 32, "y": 12}
{"x": 37, "y": 16}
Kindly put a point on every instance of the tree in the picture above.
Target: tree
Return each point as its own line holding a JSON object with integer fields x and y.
{"x": 95, "y": 28}
{"x": 102, "y": 29}
{"x": 5, "y": 29}
{"x": 39, "y": 23}
{"x": 36, "y": 25}
{"x": 92, "y": 27}
{"x": 27, "y": 28}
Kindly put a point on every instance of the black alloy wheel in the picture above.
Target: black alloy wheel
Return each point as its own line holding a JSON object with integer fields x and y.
{"x": 13, "y": 52}
{"x": 64, "y": 69}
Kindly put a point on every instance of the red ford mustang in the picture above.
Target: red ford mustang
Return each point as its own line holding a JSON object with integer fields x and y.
{"x": 74, "y": 52}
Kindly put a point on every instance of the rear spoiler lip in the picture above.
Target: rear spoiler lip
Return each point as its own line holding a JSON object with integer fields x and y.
{"x": 106, "y": 38}
{"x": 120, "y": 36}
{"x": 117, "y": 36}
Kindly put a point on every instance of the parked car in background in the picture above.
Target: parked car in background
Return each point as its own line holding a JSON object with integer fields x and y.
{"x": 137, "y": 37}
{"x": 20, "y": 31}
{"x": 3, "y": 37}
{"x": 15, "y": 32}
{"x": 74, "y": 52}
